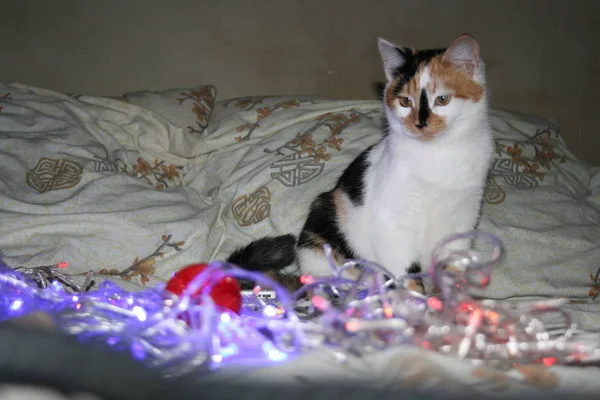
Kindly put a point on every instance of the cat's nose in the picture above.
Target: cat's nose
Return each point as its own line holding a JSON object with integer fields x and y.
{"x": 421, "y": 125}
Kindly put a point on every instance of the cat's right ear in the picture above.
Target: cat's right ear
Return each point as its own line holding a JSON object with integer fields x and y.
{"x": 392, "y": 57}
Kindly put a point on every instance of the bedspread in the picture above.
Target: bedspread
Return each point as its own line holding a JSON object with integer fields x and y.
{"x": 128, "y": 191}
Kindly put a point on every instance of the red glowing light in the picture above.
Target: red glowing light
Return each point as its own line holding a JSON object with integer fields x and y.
{"x": 475, "y": 319}
{"x": 319, "y": 302}
{"x": 306, "y": 279}
{"x": 493, "y": 317}
{"x": 62, "y": 265}
{"x": 435, "y": 303}
{"x": 352, "y": 326}
{"x": 388, "y": 311}
{"x": 426, "y": 345}
{"x": 549, "y": 361}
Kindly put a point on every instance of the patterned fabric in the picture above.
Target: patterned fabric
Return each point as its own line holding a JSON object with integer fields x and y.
{"x": 109, "y": 186}
{"x": 186, "y": 108}
{"x": 49, "y": 174}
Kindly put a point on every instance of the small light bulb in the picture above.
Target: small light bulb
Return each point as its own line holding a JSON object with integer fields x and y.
{"x": 225, "y": 318}
{"x": 435, "y": 303}
{"x": 140, "y": 313}
{"x": 16, "y": 305}
{"x": 270, "y": 311}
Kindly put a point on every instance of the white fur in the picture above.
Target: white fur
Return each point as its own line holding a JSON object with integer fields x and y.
{"x": 391, "y": 57}
{"x": 313, "y": 262}
{"x": 418, "y": 192}
{"x": 425, "y": 78}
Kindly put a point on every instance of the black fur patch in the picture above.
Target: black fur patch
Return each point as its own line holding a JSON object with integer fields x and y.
{"x": 322, "y": 223}
{"x": 352, "y": 181}
{"x": 385, "y": 125}
{"x": 322, "y": 218}
{"x": 424, "y": 110}
{"x": 379, "y": 88}
{"x": 415, "y": 268}
{"x": 266, "y": 254}
{"x": 410, "y": 67}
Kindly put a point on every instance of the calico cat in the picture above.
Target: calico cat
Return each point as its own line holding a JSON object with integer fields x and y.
{"x": 422, "y": 181}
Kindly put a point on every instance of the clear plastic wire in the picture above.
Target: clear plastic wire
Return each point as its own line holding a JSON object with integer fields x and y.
{"x": 343, "y": 315}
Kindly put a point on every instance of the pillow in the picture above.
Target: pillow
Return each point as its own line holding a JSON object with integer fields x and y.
{"x": 94, "y": 181}
{"x": 540, "y": 203}
{"x": 236, "y": 105}
{"x": 189, "y": 109}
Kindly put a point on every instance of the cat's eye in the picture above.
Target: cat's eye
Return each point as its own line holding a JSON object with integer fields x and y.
{"x": 405, "y": 101}
{"x": 442, "y": 100}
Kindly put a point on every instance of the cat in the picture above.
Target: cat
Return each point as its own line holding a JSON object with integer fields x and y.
{"x": 421, "y": 182}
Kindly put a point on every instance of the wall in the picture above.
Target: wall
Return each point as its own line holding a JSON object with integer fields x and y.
{"x": 542, "y": 55}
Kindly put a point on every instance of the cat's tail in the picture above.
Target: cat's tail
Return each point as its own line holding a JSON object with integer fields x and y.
{"x": 269, "y": 256}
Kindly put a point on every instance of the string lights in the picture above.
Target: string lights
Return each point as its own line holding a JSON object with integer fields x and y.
{"x": 194, "y": 331}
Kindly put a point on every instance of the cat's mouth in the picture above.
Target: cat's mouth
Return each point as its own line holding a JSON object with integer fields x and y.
{"x": 424, "y": 136}
{"x": 427, "y": 137}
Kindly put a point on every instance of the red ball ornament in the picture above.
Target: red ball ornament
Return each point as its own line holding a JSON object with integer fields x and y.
{"x": 225, "y": 293}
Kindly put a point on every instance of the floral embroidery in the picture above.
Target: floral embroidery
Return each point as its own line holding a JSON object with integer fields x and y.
{"x": 263, "y": 113}
{"x": 248, "y": 103}
{"x": 160, "y": 175}
{"x": 336, "y": 123}
{"x": 523, "y": 164}
{"x": 245, "y": 103}
{"x": 145, "y": 267}
{"x": 595, "y": 289}
{"x": 303, "y": 158}
{"x": 202, "y": 103}
{"x": 536, "y": 375}
{"x": 5, "y": 96}
{"x": 416, "y": 370}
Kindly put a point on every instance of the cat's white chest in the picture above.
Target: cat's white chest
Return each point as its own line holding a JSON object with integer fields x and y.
{"x": 410, "y": 205}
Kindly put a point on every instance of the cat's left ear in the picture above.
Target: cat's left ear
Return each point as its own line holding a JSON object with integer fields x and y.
{"x": 463, "y": 54}
{"x": 392, "y": 56}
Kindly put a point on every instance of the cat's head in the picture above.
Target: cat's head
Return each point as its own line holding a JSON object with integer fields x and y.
{"x": 430, "y": 91}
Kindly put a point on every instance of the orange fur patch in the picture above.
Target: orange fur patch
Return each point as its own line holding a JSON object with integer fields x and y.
{"x": 339, "y": 199}
{"x": 317, "y": 243}
{"x": 415, "y": 286}
{"x": 390, "y": 98}
{"x": 435, "y": 125}
{"x": 412, "y": 88}
{"x": 457, "y": 81}
{"x": 442, "y": 72}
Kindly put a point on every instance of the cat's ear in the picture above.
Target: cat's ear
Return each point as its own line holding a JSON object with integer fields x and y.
{"x": 463, "y": 54}
{"x": 392, "y": 56}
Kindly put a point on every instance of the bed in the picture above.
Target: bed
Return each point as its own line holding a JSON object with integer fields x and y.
{"x": 137, "y": 186}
